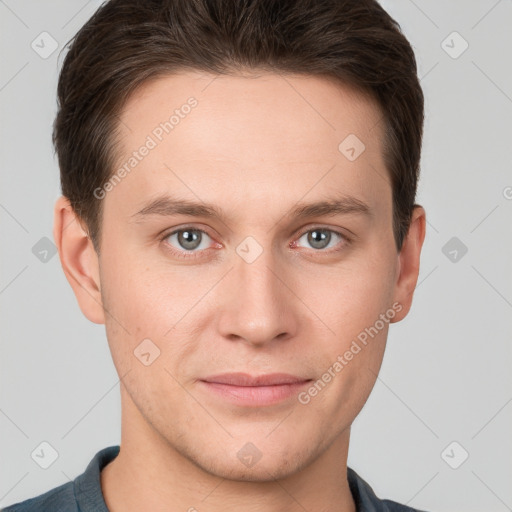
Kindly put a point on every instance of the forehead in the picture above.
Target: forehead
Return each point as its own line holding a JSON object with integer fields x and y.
{"x": 257, "y": 135}
{"x": 263, "y": 102}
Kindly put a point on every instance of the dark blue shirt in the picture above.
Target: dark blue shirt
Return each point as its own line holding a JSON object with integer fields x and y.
{"x": 84, "y": 494}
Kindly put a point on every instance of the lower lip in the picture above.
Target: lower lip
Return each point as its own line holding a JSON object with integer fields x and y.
{"x": 255, "y": 396}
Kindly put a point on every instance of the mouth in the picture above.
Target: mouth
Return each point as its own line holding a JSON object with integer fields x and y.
{"x": 254, "y": 390}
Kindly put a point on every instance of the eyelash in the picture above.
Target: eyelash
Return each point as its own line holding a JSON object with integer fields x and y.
{"x": 195, "y": 254}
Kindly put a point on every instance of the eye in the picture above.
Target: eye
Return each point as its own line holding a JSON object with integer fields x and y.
{"x": 323, "y": 238}
{"x": 188, "y": 239}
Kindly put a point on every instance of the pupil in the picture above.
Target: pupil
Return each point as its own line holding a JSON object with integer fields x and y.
{"x": 319, "y": 239}
{"x": 189, "y": 239}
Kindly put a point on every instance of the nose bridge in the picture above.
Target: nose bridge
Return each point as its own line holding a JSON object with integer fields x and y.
{"x": 259, "y": 307}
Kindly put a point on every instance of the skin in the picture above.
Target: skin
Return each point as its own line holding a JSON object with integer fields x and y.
{"x": 253, "y": 146}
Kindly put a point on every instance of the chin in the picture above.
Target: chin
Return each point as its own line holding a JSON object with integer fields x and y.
{"x": 244, "y": 462}
{"x": 262, "y": 471}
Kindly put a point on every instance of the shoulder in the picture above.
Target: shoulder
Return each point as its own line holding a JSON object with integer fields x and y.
{"x": 58, "y": 499}
{"x": 80, "y": 495}
{"x": 366, "y": 500}
{"x": 393, "y": 506}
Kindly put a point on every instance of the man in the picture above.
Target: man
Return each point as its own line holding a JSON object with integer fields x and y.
{"x": 238, "y": 186}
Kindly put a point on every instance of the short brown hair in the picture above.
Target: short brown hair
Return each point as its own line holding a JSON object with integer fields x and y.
{"x": 126, "y": 42}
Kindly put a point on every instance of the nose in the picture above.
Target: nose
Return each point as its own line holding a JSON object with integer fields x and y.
{"x": 258, "y": 305}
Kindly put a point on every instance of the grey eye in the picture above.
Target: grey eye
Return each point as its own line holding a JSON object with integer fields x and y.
{"x": 188, "y": 239}
{"x": 320, "y": 238}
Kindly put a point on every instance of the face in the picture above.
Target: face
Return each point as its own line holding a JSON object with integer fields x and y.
{"x": 270, "y": 250}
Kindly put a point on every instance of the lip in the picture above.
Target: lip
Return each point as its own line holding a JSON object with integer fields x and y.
{"x": 254, "y": 390}
{"x": 244, "y": 379}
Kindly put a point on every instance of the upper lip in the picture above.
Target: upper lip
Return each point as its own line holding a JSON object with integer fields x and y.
{"x": 244, "y": 379}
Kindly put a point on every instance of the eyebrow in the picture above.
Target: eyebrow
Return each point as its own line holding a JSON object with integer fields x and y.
{"x": 167, "y": 206}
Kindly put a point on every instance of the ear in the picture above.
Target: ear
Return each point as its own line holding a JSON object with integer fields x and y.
{"x": 409, "y": 263}
{"x": 78, "y": 259}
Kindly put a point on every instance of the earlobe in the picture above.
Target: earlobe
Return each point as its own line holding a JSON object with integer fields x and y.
{"x": 409, "y": 262}
{"x": 78, "y": 259}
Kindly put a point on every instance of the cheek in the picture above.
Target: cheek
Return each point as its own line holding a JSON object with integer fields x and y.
{"x": 349, "y": 372}
{"x": 134, "y": 292}
{"x": 148, "y": 313}
{"x": 134, "y": 306}
{"x": 353, "y": 301}
{"x": 351, "y": 305}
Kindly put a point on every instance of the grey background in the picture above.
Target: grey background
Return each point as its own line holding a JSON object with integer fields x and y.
{"x": 446, "y": 371}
